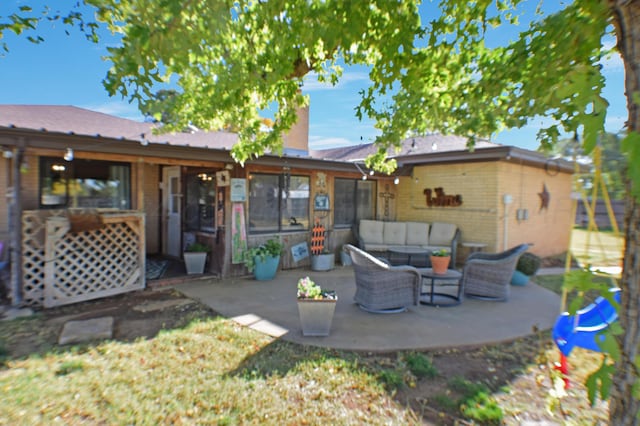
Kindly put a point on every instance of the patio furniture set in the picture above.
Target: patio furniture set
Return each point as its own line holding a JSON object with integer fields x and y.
{"x": 385, "y": 288}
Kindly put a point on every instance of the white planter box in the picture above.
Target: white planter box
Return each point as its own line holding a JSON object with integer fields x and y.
{"x": 194, "y": 262}
{"x": 316, "y": 316}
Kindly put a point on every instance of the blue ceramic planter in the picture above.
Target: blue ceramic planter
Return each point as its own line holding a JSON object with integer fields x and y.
{"x": 519, "y": 279}
{"x": 265, "y": 271}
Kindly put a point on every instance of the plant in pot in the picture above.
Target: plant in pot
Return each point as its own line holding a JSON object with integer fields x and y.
{"x": 527, "y": 266}
{"x": 264, "y": 259}
{"x": 195, "y": 257}
{"x": 315, "y": 307}
{"x": 440, "y": 261}
{"x": 323, "y": 261}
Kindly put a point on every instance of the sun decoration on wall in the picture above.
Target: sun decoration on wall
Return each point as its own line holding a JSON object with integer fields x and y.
{"x": 545, "y": 197}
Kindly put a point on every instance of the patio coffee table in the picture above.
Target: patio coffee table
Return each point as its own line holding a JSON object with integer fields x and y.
{"x": 433, "y": 298}
{"x": 409, "y": 252}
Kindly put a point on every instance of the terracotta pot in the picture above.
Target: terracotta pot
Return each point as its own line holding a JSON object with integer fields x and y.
{"x": 439, "y": 264}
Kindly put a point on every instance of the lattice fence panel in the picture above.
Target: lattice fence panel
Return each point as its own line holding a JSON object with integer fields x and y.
{"x": 67, "y": 267}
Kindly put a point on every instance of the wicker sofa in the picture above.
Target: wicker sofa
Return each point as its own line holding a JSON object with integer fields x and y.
{"x": 379, "y": 236}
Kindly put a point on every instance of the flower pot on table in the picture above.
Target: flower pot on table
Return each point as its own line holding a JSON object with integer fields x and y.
{"x": 440, "y": 264}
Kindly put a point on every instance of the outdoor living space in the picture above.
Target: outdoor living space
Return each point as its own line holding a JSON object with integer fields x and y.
{"x": 270, "y": 307}
{"x": 469, "y": 345}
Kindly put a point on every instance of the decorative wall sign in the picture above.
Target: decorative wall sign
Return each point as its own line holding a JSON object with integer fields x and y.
{"x": 222, "y": 178}
{"x": 299, "y": 252}
{"x": 321, "y": 202}
{"x": 238, "y": 190}
{"x": 545, "y": 197}
{"x": 437, "y": 198}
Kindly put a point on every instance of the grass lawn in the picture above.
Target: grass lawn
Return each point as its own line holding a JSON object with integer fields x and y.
{"x": 212, "y": 371}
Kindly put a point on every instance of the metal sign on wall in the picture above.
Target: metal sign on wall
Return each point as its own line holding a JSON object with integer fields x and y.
{"x": 436, "y": 197}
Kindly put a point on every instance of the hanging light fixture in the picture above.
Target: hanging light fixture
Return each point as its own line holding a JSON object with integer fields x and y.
{"x": 68, "y": 155}
{"x": 396, "y": 180}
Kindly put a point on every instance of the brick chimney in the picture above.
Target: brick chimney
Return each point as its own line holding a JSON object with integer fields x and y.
{"x": 296, "y": 142}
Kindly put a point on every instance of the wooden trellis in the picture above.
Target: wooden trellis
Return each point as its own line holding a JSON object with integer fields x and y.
{"x": 61, "y": 267}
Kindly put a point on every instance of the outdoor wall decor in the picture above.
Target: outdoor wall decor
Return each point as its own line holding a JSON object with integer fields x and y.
{"x": 238, "y": 190}
{"x": 387, "y": 196}
{"x": 545, "y": 197}
{"x": 321, "y": 202}
{"x": 441, "y": 199}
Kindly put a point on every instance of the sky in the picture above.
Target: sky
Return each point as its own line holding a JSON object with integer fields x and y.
{"x": 68, "y": 70}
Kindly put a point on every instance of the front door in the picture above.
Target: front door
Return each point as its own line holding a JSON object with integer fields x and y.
{"x": 172, "y": 211}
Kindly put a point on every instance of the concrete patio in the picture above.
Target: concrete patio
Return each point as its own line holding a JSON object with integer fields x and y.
{"x": 270, "y": 307}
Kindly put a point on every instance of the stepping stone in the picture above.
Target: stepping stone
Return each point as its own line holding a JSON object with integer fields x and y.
{"x": 86, "y": 330}
{"x": 13, "y": 313}
{"x": 161, "y": 304}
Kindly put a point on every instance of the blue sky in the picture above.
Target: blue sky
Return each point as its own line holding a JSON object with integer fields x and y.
{"x": 68, "y": 70}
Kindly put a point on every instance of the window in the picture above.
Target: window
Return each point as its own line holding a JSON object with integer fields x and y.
{"x": 200, "y": 201}
{"x": 84, "y": 183}
{"x": 278, "y": 203}
{"x": 354, "y": 200}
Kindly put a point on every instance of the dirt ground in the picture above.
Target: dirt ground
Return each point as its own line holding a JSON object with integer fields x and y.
{"x": 145, "y": 313}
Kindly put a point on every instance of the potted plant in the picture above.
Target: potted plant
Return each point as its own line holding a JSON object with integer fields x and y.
{"x": 345, "y": 257}
{"x": 527, "y": 266}
{"x": 440, "y": 261}
{"x": 195, "y": 257}
{"x": 324, "y": 261}
{"x": 315, "y": 307}
{"x": 264, "y": 259}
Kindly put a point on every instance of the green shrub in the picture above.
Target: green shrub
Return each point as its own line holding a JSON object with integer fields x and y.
{"x": 483, "y": 409}
{"x": 528, "y": 264}
{"x": 392, "y": 379}
{"x": 420, "y": 365}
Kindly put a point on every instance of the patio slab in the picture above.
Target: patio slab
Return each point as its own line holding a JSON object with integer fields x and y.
{"x": 270, "y": 307}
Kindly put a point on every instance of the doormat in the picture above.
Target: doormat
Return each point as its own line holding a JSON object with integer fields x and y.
{"x": 155, "y": 268}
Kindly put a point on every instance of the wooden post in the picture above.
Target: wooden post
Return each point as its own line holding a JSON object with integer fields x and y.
{"x": 15, "y": 226}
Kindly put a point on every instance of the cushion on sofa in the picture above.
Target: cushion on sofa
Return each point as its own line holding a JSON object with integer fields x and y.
{"x": 442, "y": 234}
{"x": 395, "y": 233}
{"x": 371, "y": 231}
{"x": 417, "y": 234}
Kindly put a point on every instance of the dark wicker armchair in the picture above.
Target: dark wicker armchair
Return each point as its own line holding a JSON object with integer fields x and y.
{"x": 381, "y": 288}
{"x": 488, "y": 275}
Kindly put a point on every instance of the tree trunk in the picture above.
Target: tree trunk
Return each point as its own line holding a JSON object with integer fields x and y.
{"x": 624, "y": 408}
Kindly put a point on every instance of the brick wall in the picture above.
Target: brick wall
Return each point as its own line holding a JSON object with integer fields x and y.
{"x": 481, "y": 216}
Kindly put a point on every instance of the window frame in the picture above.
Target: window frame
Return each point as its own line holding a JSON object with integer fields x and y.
{"x": 279, "y": 226}
{"x": 69, "y": 174}
{"x": 354, "y": 195}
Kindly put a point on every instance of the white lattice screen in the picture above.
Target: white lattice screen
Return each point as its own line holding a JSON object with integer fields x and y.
{"x": 61, "y": 267}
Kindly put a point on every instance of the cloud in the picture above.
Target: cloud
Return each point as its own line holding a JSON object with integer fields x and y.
{"x": 320, "y": 142}
{"x": 118, "y": 109}
{"x": 615, "y": 124}
{"x": 613, "y": 61}
{"x": 311, "y": 82}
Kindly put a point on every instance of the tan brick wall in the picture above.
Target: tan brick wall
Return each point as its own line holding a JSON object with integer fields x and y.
{"x": 549, "y": 229}
{"x": 475, "y": 182}
{"x": 480, "y": 218}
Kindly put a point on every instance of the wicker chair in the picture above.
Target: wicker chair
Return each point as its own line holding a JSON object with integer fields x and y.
{"x": 381, "y": 288}
{"x": 487, "y": 276}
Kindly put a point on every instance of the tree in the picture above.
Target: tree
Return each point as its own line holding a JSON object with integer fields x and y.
{"x": 613, "y": 161}
{"x": 233, "y": 60}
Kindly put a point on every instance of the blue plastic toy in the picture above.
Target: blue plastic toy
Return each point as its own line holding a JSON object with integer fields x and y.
{"x": 584, "y": 328}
